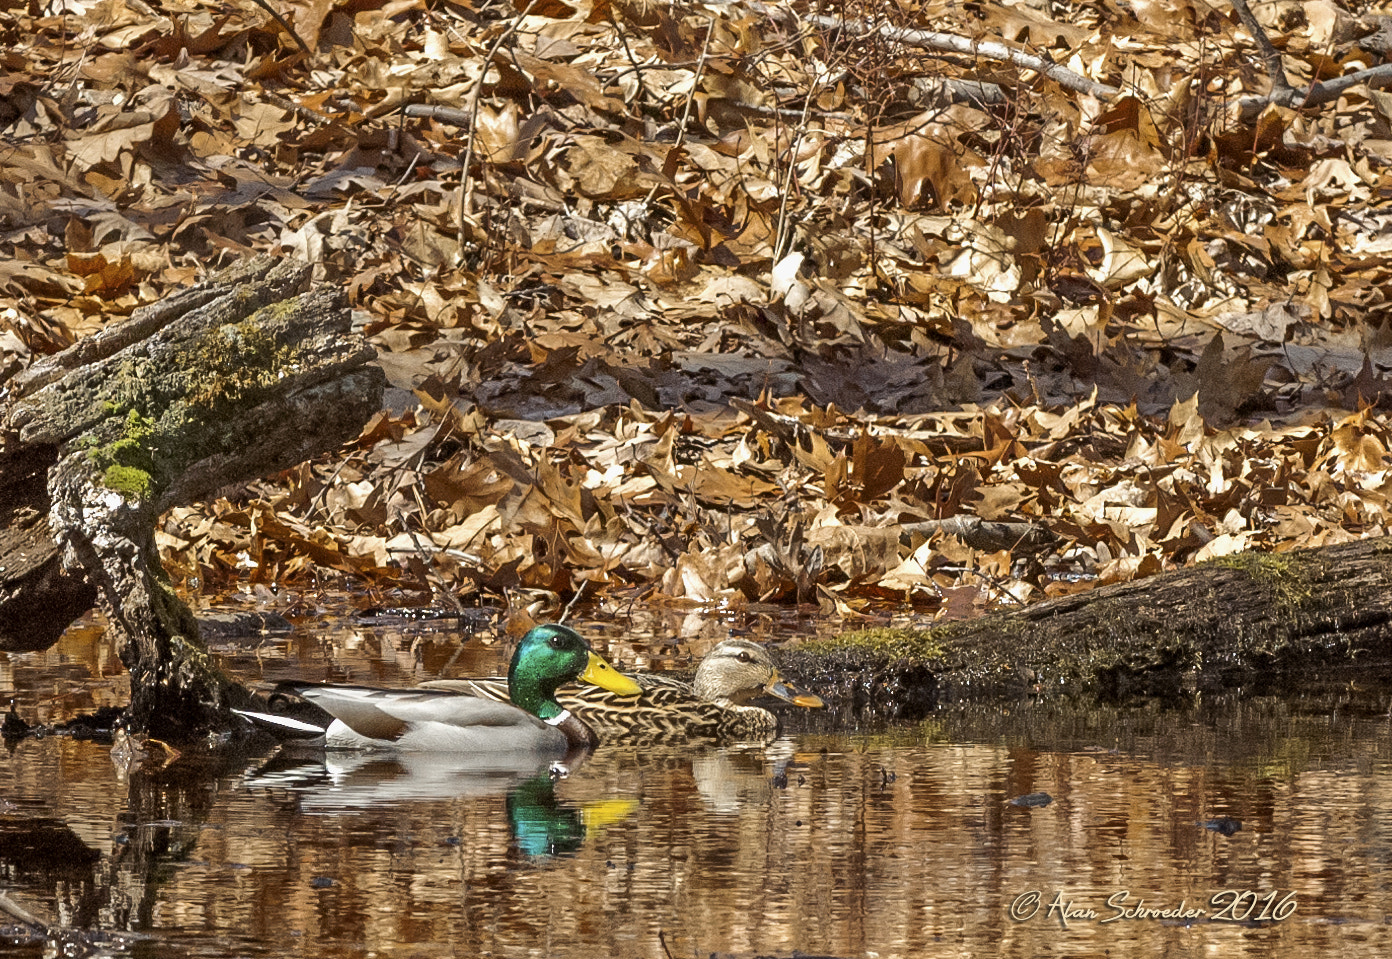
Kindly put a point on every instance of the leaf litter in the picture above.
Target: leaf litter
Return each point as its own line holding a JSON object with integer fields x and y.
{"x": 734, "y": 303}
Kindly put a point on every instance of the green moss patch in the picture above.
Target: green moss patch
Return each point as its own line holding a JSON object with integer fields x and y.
{"x": 1284, "y": 574}
{"x": 127, "y": 462}
{"x": 911, "y": 645}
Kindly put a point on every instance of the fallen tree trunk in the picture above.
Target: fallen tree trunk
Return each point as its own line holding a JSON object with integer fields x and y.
{"x": 238, "y": 377}
{"x": 1263, "y": 622}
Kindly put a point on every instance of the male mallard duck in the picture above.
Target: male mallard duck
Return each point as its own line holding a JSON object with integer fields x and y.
{"x": 360, "y": 717}
{"x": 714, "y": 706}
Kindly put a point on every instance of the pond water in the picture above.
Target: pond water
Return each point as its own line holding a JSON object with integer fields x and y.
{"x": 835, "y": 840}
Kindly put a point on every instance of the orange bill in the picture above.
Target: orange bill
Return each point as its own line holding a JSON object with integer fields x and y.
{"x": 786, "y": 691}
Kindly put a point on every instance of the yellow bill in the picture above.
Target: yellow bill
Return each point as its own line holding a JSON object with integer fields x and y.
{"x": 601, "y": 674}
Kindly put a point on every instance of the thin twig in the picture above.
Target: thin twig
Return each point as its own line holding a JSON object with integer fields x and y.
{"x": 428, "y": 560}
{"x": 686, "y": 112}
{"x": 451, "y": 115}
{"x": 782, "y": 236}
{"x": 467, "y": 189}
{"x": 320, "y": 502}
{"x": 14, "y": 909}
{"x": 990, "y": 49}
{"x": 1316, "y": 93}
{"x": 579, "y": 591}
{"x": 308, "y": 114}
{"x": 285, "y": 24}
{"x": 1327, "y": 91}
{"x": 1274, "y": 68}
{"x": 642, "y": 91}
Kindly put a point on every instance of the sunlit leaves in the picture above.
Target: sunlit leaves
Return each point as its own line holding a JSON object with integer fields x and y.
{"x": 741, "y": 311}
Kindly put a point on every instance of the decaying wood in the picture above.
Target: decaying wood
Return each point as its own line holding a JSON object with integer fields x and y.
{"x": 1252, "y": 621}
{"x": 38, "y": 598}
{"x": 239, "y": 377}
{"x": 989, "y": 536}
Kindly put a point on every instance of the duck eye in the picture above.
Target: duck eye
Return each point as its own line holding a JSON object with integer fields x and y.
{"x": 745, "y": 658}
{"x": 557, "y": 642}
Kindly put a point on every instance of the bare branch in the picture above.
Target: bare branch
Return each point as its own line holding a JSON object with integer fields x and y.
{"x": 952, "y": 43}
{"x": 1282, "y": 92}
{"x": 1274, "y": 68}
{"x": 1316, "y": 94}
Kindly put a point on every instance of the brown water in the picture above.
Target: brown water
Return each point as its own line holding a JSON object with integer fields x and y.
{"x": 832, "y": 841}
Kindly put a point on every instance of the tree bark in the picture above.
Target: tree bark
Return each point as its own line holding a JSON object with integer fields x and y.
{"x": 238, "y": 377}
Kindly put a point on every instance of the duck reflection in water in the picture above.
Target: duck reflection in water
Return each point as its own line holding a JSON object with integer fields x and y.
{"x": 540, "y": 823}
{"x": 543, "y": 826}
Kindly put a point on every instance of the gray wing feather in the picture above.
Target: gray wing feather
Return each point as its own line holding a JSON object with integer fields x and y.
{"x": 429, "y": 719}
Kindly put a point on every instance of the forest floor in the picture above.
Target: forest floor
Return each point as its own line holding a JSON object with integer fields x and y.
{"x": 745, "y": 303}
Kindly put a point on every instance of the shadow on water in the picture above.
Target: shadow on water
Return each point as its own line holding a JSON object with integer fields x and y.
{"x": 1251, "y": 826}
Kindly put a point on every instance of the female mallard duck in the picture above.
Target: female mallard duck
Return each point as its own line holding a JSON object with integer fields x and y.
{"x": 716, "y": 705}
{"x": 528, "y": 720}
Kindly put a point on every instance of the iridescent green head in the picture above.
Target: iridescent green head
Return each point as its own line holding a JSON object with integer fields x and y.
{"x": 550, "y": 656}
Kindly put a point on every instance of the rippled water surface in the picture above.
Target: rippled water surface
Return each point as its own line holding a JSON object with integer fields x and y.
{"x": 833, "y": 841}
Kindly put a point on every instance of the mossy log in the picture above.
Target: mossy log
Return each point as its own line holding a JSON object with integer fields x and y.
{"x": 1256, "y": 621}
{"x": 240, "y": 376}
